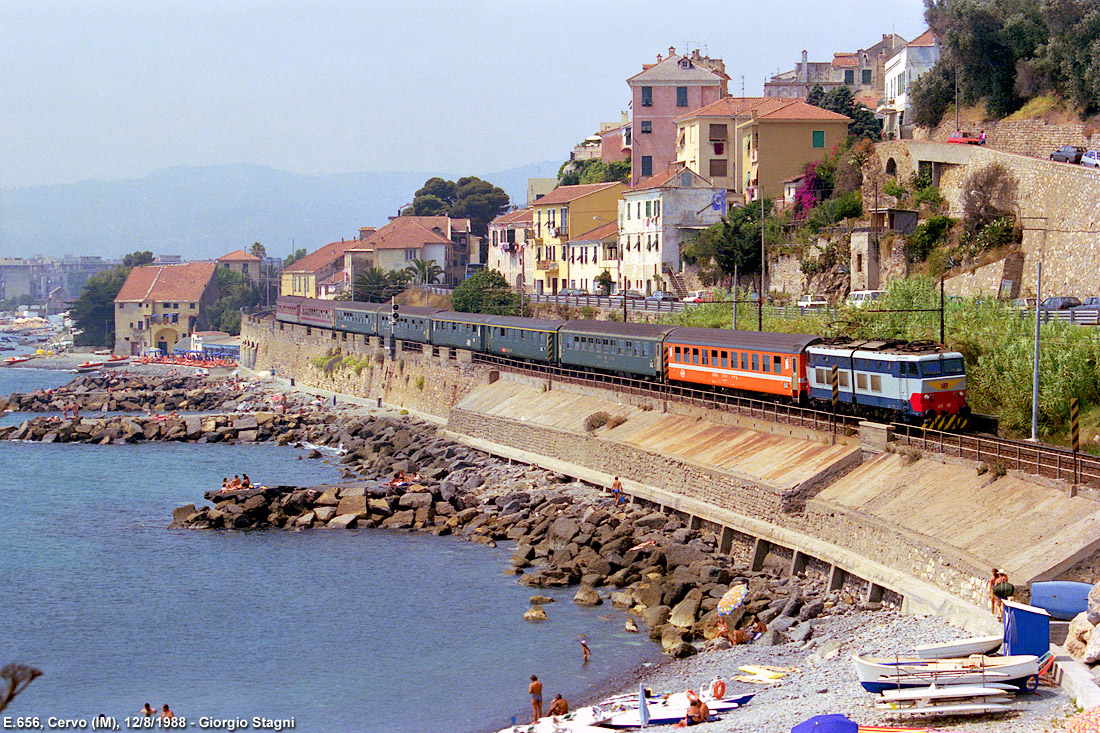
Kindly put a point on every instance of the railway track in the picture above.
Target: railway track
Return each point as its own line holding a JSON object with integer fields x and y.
{"x": 1039, "y": 460}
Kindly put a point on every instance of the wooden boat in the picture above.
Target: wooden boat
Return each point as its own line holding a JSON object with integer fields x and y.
{"x": 878, "y": 674}
{"x": 1062, "y": 599}
{"x": 960, "y": 648}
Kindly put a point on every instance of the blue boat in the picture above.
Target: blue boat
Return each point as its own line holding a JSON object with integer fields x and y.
{"x": 1062, "y": 599}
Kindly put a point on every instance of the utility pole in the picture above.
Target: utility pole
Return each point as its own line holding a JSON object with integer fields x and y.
{"x": 763, "y": 260}
{"x": 956, "y": 96}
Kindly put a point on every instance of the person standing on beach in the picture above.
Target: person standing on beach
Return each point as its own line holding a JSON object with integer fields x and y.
{"x": 535, "y": 688}
{"x": 585, "y": 651}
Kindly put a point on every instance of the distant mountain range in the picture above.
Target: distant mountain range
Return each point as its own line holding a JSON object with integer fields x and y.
{"x": 205, "y": 212}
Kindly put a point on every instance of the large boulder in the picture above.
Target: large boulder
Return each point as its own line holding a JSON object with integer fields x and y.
{"x": 671, "y": 638}
{"x": 676, "y": 555}
{"x": 656, "y": 616}
{"x": 587, "y": 596}
{"x": 1093, "y": 608}
{"x": 1078, "y": 635}
{"x": 416, "y": 500}
{"x": 563, "y": 530}
{"x": 343, "y": 521}
{"x": 535, "y": 613}
{"x": 684, "y": 613}
{"x": 649, "y": 593}
{"x": 356, "y": 505}
{"x": 324, "y": 513}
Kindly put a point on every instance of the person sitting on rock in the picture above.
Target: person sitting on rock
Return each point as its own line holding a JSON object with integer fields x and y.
{"x": 559, "y": 706}
{"x": 400, "y": 479}
{"x": 246, "y": 482}
{"x": 225, "y": 484}
{"x": 235, "y": 483}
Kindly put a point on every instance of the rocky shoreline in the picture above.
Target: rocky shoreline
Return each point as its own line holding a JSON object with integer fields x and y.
{"x": 669, "y": 576}
{"x": 127, "y": 392}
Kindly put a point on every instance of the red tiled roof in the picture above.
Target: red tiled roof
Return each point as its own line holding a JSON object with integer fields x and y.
{"x": 598, "y": 234}
{"x": 727, "y": 107}
{"x": 845, "y": 60}
{"x": 340, "y": 276}
{"x": 869, "y": 100}
{"x": 323, "y": 257}
{"x": 238, "y": 256}
{"x": 928, "y": 38}
{"x": 565, "y": 194}
{"x": 519, "y": 216}
{"x": 407, "y": 232}
{"x": 167, "y": 282}
{"x": 796, "y": 109}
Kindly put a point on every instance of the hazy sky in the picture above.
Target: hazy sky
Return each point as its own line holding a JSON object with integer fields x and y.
{"x": 114, "y": 89}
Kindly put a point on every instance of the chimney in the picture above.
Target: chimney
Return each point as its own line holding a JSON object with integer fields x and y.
{"x": 671, "y": 50}
{"x": 804, "y": 71}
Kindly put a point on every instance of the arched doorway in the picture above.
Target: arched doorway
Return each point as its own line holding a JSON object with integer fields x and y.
{"x": 165, "y": 339}
{"x": 892, "y": 168}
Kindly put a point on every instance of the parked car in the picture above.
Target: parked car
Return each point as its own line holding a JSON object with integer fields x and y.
{"x": 1060, "y": 303}
{"x": 1068, "y": 154}
{"x": 860, "y": 298}
{"x": 1091, "y": 158}
{"x": 1090, "y": 303}
{"x": 1023, "y": 304}
{"x": 964, "y": 138}
{"x": 812, "y": 301}
{"x": 574, "y": 292}
{"x": 661, "y": 297}
{"x": 632, "y": 295}
{"x": 700, "y": 296}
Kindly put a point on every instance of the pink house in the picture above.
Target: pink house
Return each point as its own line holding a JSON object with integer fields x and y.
{"x": 662, "y": 92}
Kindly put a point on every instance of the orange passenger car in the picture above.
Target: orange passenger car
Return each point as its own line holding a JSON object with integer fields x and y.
{"x": 751, "y": 361}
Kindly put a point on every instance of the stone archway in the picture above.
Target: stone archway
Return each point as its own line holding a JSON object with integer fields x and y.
{"x": 891, "y": 168}
{"x": 165, "y": 339}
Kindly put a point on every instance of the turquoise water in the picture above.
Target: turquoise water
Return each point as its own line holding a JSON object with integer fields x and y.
{"x": 342, "y": 630}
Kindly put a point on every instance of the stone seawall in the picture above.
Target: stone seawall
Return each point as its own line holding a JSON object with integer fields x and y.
{"x": 1037, "y": 138}
{"x": 431, "y": 382}
{"x": 755, "y": 500}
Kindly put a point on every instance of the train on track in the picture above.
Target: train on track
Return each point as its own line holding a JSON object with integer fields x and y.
{"x": 919, "y": 383}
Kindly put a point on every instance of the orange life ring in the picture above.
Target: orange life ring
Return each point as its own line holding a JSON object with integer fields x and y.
{"x": 719, "y": 690}
{"x": 691, "y": 696}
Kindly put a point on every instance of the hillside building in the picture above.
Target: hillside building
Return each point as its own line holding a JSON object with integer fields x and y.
{"x": 160, "y": 304}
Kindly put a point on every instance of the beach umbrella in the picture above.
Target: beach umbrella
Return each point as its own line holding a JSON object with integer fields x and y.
{"x": 732, "y": 600}
{"x": 1085, "y": 722}
{"x": 834, "y": 723}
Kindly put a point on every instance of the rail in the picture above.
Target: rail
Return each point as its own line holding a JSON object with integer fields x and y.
{"x": 1039, "y": 460}
{"x": 759, "y": 409}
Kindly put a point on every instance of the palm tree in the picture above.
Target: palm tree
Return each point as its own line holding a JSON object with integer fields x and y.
{"x": 423, "y": 271}
{"x": 377, "y": 286}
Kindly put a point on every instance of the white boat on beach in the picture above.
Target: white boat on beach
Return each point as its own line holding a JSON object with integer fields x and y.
{"x": 581, "y": 720}
{"x": 945, "y": 700}
{"x": 960, "y": 647}
{"x": 666, "y": 711}
{"x": 886, "y": 673}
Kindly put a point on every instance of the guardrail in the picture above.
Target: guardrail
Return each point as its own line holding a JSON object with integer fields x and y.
{"x": 1080, "y": 316}
{"x": 1040, "y": 460}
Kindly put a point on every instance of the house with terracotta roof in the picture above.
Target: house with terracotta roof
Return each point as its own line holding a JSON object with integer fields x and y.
{"x": 862, "y": 71}
{"x": 305, "y": 276}
{"x": 902, "y": 69}
{"x": 160, "y": 304}
{"x": 243, "y": 262}
{"x": 780, "y": 138}
{"x": 708, "y": 142}
{"x": 656, "y": 218}
{"x": 662, "y": 92}
{"x": 564, "y": 212}
{"x": 449, "y": 243}
{"x": 592, "y": 253}
{"x": 508, "y": 237}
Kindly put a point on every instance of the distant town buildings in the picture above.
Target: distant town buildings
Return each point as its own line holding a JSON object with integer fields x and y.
{"x": 160, "y": 304}
{"x": 304, "y": 277}
{"x": 569, "y": 212}
{"x": 36, "y": 278}
{"x": 242, "y": 262}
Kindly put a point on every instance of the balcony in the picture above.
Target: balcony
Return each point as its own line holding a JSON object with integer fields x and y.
{"x": 547, "y": 265}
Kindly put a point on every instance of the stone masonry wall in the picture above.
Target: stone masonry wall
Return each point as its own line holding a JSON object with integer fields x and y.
{"x": 1059, "y": 205}
{"x": 418, "y": 381}
{"x": 1037, "y": 138}
{"x": 987, "y": 279}
{"x": 908, "y": 554}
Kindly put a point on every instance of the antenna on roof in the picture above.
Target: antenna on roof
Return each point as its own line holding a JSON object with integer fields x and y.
{"x": 742, "y": 85}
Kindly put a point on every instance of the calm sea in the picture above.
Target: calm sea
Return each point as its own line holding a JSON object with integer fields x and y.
{"x": 341, "y": 630}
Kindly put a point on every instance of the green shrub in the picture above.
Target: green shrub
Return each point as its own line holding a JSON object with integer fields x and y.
{"x": 596, "y": 420}
{"x": 895, "y": 189}
{"x": 420, "y": 383}
{"x": 996, "y": 234}
{"x": 929, "y": 195}
{"x": 927, "y": 236}
{"x": 588, "y": 311}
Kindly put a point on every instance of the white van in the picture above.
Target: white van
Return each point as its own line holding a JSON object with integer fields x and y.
{"x": 860, "y": 298}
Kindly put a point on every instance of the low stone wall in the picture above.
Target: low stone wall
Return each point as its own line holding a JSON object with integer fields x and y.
{"x": 431, "y": 382}
{"x": 987, "y": 279}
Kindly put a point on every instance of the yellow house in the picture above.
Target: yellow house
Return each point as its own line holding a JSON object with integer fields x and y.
{"x": 779, "y": 140}
{"x": 566, "y": 211}
{"x": 708, "y": 142}
{"x": 160, "y": 304}
{"x": 305, "y": 276}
